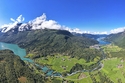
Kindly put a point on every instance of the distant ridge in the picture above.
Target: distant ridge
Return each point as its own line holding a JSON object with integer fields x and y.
{"x": 118, "y": 39}
{"x": 49, "y": 42}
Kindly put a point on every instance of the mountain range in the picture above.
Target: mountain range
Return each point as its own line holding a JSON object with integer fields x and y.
{"x": 49, "y": 42}
{"x": 19, "y": 27}
{"x": 41, "y": 42}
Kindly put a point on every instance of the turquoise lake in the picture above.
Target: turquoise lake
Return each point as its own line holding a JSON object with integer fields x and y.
{"x": 16, "y": 49}
{"x": 22, "y": 53}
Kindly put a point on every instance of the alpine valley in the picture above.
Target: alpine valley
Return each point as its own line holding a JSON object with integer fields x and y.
{"x": 61, "y": 56}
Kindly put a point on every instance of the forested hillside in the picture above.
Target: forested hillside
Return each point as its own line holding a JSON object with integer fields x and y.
{"x": 118, "y": 39}
{"x": 49, "y": 42}
{"x": 14, "y": 70}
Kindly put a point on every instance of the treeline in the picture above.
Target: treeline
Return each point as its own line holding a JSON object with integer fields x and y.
{"x": 50, "y": 42}
{"x": 102, "y": 78}
{"x": 118, "y": 39}
{"x": 120, "y": 54}
{"x": 85, "y": 68}
{"x": 89, "y": 54}
{"x": 14, "y": 70}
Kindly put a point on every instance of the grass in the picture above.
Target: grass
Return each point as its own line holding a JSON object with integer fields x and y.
{"x": 84, "y": 80}
{"x": 111, "y": 48}
{"x": 61, "y": 63}
{"x": 105, "y": 71}
{"x": 112, "y": 70}
{"x": 29, "y": 55}
{"x": 114, "y": 67}
{"x": 75, "y": 78}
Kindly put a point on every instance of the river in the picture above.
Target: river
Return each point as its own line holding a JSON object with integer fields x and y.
{"x": 22, "y": 53}
{"x": 100, "y": 65}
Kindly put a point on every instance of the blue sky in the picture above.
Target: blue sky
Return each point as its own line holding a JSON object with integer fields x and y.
{"x": 87, "y": 15}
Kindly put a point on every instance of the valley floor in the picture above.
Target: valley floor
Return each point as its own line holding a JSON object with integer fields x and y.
{"x": 112, "y": 70}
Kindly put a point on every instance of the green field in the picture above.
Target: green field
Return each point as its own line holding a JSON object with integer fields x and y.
{"x": 111, "y": 48}
{"x": 114, "y": 64}
{"x": 76, "y": 78}
{"x": 113, "y": 68}
{"x": 80, "y": 78}
{"x": 61, "y": 63}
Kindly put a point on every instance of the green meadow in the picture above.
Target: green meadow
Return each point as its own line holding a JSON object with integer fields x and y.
{"x": 61, "y": 63}
{"x": 113, "y": 68}
{"x": 111, "y": 48}
{"x": 83, "y": 77}
{"x": 114, "y": 64}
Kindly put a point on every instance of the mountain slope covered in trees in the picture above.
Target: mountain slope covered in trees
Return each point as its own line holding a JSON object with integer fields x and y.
{"x": 118, "y": 39}
{"x": 14, "y": 70}
{"x": 49, "y": 42}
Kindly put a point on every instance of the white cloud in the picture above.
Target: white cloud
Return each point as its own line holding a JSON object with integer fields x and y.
{"x": 42, "y": 23}
{"x": 117, "y": 30}
{"x": 73, "y": 30}
{"x": 23, "y": 27}
{"x": 105, "y": 32}
{"x": 77, "y": 30}
{"x": 7, "y": 27}
{"x": 20, "y": 19}
{"x": 12, "y": 19}
{"x": 38, "y": 20}
{"x": 51, "y": 24}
